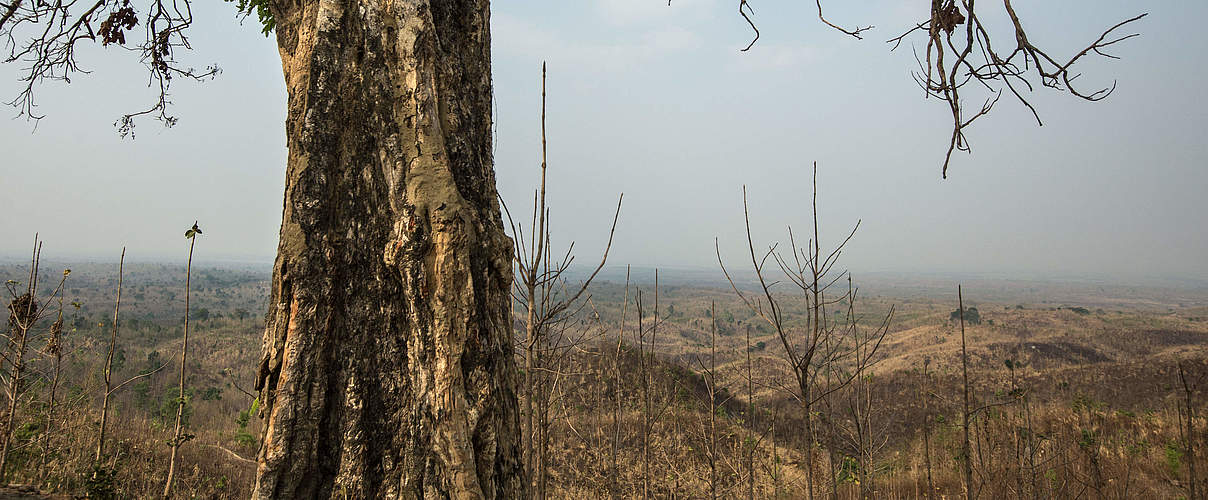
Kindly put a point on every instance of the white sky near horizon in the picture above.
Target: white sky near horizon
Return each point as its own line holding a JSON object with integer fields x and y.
{"x": 658, "y": 102}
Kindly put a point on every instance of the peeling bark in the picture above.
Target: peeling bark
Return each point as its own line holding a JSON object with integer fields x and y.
{"x": 387, "y": 369}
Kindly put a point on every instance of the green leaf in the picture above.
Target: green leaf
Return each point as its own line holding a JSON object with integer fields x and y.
{"x": 246, "y": 8}
{"x": 189, "y": 233}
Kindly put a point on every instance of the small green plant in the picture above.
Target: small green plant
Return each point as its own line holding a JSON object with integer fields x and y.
{"x": 972, "y": 316}
{"x": 849, "y": 471}
{"x": 1174, "y": 458}
{"x": 100, "y": 483}
{"x": 164, "y": 414}
{"x": 211, "y": 394}
{"x": 1087, "y": 439}
{"x": 242, "y": 436}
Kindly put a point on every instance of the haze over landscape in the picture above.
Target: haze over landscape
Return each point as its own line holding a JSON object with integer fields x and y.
{"x": 658, "y": 102}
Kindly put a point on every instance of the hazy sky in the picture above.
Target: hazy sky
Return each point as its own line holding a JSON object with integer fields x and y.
{"x": 659, "y": 103}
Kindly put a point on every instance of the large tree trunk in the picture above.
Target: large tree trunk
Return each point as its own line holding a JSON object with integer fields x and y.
{"x": 387, "y": 367}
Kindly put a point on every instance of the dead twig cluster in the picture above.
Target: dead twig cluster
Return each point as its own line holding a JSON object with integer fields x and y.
{"x": 960, "y": 52}
{"x": 46, "y": 35}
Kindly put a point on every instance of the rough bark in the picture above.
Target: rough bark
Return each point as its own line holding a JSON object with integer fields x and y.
{"x": 387, "y": 368}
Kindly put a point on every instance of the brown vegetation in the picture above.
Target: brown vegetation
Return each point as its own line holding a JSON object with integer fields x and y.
{"x": 1066, "y": 422}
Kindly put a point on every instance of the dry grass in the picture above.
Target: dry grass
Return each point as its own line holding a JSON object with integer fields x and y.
{"x": 1101, "y": 389}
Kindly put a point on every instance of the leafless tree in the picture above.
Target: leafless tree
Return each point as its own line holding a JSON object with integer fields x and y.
{"x": 647, "y": 336}
{"x": 656, "y": 399}
{"x": 866, "y": 433}
{"x": 550, "y": 305}
{"x": 823, "y": 345}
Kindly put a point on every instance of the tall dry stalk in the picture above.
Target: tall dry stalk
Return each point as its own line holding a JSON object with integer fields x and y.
{"x": 647, "y": 358}
{"x": 1018, "y": 433}
{"x": 1032, "y": 445}
{"x": 617, "y": 392}
{"x": 1188, "y": 423}
{"x": 709, "y": 376}
{"x": 651, "y": 416}
{"x": 645, "y": 377}
{"x": 191, "y": 234}
{"x": 750, "y": 441}
{"x": 776, "y": 470}
{"x": 54, "y": 347}
{"x": 833, "y": 435}
{"x": 117, "y": 304}
{"x": 713, "y": 401}
{"x": 966, "y": 458}
{"x": 926, "y": 396}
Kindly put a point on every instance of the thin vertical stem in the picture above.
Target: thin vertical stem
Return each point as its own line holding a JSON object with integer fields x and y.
{"x": 184, "y": 353}
{"x": 775, "y": 459}
{"x": 645, "y": 400}
{"x": 927, "y": 426}
{"x": 539, "y": 232}
{"x": 55, "y": 348}
{"x": 750, "y": 422}
{"x": 617, "y": 393}
{"x": 966, "y": 458}
{"x": 1031, "y": 440}
{"x": 1015, "y": 430}
{"x": 713, "y": 402}
{"x": 1189, "y": 420}
{"x": 100, "y": 441}
{"x": 816, "y": 270}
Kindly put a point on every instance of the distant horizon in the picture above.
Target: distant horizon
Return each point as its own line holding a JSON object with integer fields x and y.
{"x": 680, "y": 273}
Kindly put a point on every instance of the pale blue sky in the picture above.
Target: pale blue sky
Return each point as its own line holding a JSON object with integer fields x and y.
{"x": 658, "y": 102}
